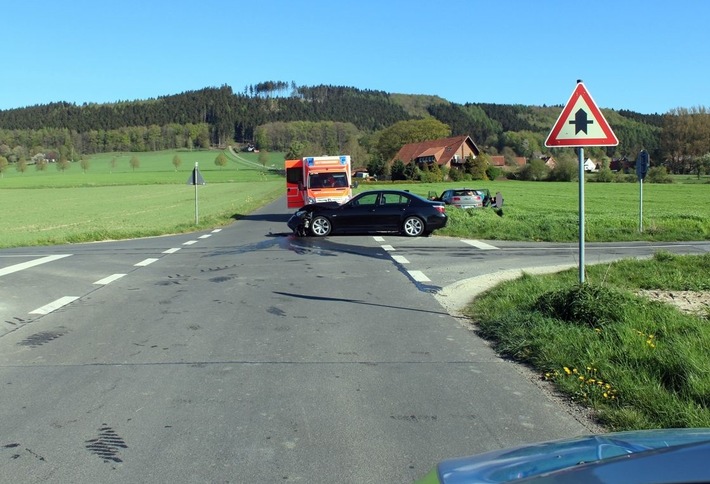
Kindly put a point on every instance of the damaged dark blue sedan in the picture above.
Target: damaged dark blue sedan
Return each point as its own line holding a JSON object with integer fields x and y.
{"x": 372, "y": 211}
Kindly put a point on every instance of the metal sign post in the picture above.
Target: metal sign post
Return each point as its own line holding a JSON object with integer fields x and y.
{"x": 196, "y": 179}
{"x": 581, "y": 215}
{"x": 581, "y": 123}
{"x": 642, "y": 163}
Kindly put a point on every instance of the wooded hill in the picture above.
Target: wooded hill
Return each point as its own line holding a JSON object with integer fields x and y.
{"x": 219, "y": 116}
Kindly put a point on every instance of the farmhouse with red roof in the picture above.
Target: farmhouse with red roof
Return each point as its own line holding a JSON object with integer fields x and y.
{"x": 449, "y": 152}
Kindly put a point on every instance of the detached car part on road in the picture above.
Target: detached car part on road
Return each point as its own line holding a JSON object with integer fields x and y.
{"x": 372, "y": 211}
{"x": 643, "y": 456}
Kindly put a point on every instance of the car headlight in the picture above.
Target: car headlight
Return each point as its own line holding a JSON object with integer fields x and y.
{"x": 311, "y": 200}
{"x": 300, "y": 213}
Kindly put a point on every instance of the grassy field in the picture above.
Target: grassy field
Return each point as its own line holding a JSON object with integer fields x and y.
{"x": 549, "y": 211}
{"x": 638, "y": 363}
{"x": 155, "y": 168}
{"x": 113, "y": 201}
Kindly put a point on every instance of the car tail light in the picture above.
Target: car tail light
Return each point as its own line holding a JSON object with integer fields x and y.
{"x": 440, "y": 208}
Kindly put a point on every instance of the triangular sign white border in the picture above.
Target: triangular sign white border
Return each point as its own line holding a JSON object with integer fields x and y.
{"x": 556, "y": 140}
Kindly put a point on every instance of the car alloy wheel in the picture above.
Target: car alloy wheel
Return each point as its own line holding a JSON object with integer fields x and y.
{"x": 320, "y": 226}
{"x": 413, "y": 226}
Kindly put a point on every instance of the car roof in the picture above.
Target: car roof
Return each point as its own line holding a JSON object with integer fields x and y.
{"x": 395, "y": 192}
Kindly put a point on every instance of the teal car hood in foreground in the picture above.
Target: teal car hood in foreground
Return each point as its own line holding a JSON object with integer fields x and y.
{"x": 644, "y": 456}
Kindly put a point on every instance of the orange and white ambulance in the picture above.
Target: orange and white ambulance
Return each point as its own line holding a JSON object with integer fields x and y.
{"x": 316, "y": 179}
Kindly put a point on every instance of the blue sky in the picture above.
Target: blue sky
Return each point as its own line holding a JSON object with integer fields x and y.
{"x": 648, "y": 56}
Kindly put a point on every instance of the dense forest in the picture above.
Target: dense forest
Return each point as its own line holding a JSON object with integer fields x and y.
{"x": 276, "y": 116}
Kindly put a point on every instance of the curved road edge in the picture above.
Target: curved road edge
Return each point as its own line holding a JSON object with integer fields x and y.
{"x": 455, "y": 297}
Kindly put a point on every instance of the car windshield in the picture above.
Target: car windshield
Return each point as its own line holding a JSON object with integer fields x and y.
{"x": 328, "y": 180}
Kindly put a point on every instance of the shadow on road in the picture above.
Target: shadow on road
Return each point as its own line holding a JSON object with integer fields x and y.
{"x": 356, "y": 301}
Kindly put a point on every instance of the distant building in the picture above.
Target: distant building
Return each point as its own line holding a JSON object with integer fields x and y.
{"x": 499, "y": 161}
{"x": 622, "y": 164}
{"x": 590, "y": 165}
{"x": 449, "y": 152}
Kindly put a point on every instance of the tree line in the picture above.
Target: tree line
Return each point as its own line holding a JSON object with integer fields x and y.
{"x": 281, "y": 116}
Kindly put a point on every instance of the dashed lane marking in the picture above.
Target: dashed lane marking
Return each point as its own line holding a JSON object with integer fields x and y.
{"x": 53, "y": 306}
{"x": 400, "y": 259}
{"x": 204, "y": 236}
{"x": 189, "y": 242}
{"x": 388, "y": 248}
{"x": 419, "y": 276}
{"x": 26, "y": 265}
{"x": 146, "y": 262}
{"x": 480, "y": 245}
{"x": 109, "y": 279}
{"x": 171, "y": 251}
{"x": 379, "y": 238}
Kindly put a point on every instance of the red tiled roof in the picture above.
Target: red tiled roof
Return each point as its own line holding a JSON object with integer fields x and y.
{"x": 442, "y": 149}
{"x": 499, "y": 160}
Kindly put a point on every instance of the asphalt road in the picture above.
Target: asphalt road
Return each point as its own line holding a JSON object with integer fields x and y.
{"x": 248, "y": 355}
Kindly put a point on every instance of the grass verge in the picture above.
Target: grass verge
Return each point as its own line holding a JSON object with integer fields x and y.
{"x": 637, "y": 363}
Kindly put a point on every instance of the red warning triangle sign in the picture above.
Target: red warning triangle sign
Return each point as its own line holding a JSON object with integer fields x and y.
{"x": 581, "y": 123}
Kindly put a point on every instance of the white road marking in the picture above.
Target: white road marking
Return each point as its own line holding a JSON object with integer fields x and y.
{"x": 379, "y": 238}
{"x": 171, "y": 251}
{"x": 190, "y": 242}
{"x": 145, "y": 262}
{"x": 204, "y": 236}
{"x": 401, "y": 259}
{"x": 388, "y": 248}
{"x": 109, "y": 279}
{"x": 26, "y": 265}
{"x": 480, "y": 245}
{"x": 419, "y": 276}
{"x": 216, "y": 230}
{"x": 53, "y": 306}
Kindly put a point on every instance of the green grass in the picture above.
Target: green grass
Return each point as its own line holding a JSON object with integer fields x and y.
{"x": 638, "y": 363}
{"x": 49, "y": 216}
{"x": 549, "y": 211}
{"x": 115, "y": 202}
{"x": 156, "y": 168}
